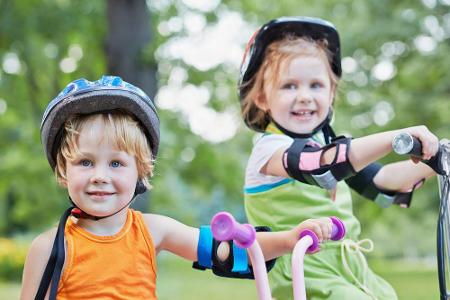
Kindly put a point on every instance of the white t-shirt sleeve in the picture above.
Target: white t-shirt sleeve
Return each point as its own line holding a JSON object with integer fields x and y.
{"x": 263, "y": 150}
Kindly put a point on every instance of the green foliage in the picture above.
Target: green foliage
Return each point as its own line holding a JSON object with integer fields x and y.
{"x": 196, "y": 177}
{"x": 12, "y": 258}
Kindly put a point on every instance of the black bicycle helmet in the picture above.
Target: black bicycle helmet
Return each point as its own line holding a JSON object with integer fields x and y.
{"x": 277, "y": 29}
{"x": 86, "y": 97}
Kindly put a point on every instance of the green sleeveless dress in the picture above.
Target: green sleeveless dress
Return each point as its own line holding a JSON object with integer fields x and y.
{"x": 339, "y": 270}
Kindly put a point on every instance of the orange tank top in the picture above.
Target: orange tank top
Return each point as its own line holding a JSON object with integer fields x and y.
{"x": 122, "y": 266}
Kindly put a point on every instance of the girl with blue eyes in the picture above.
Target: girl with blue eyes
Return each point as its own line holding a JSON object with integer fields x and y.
{"x": 298, "y": 168}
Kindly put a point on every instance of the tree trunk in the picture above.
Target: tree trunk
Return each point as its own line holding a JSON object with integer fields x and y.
{"x": 129, "y": 33}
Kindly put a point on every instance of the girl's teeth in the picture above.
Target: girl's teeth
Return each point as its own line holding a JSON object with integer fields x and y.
{"x": 302, "y": 113}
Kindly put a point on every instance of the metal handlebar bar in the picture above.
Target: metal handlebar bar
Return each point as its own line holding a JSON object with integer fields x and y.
{"x": 404, "y": 143}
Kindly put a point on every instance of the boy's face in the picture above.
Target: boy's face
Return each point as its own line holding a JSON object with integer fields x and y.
{"x": 302, "y": 97}
{"x": 102, "y": 179}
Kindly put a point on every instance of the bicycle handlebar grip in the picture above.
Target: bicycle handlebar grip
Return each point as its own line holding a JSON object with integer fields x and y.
{"x": 225, "y": 228}
{"x": 404, "y": 143}
{"x": 338, "y": 229}
{"x": 337, "y": 233}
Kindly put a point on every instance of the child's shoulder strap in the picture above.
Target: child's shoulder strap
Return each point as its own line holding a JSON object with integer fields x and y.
{"x": 55, "y": 263}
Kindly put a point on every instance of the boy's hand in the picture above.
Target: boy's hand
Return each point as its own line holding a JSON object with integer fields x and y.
{"x": 430, "y": 142}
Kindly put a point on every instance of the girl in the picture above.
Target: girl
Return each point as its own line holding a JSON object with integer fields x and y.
{"x": 298, "y": 168}
{"x": 101, "y": 139}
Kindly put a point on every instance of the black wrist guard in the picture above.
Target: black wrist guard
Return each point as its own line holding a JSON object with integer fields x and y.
{"x": 235, "y": 266}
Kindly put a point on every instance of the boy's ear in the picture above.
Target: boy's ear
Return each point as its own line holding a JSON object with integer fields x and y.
{"x": 63, "y": 182}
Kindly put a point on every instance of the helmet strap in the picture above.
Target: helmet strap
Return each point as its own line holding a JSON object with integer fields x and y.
{"x": 328, "y": 132}
{"x": 79, "y": 214}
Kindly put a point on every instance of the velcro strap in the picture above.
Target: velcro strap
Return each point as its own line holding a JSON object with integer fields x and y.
{"x": 402, "y": 199}
{"x": 240, "y": 260}
{"x": 292, "y": 159}
{"x": 341, "y": 166}
{"x": 363, "y": 183}
{"x": 205, "y": 246}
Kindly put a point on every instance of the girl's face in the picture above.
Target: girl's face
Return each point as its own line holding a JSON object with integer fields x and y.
{"x": 102, "y": 179}
{"x": 302, "y": 97}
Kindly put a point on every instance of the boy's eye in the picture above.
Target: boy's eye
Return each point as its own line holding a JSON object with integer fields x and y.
{"x": 115, "y": 164}
{"x": 85, "y": 163}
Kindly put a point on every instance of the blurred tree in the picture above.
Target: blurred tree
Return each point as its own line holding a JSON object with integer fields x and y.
{"x": 395, "y": 75}
{"x": 129, "y": 23}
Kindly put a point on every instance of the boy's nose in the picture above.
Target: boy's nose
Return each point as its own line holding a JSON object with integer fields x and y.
{"x": 100, "y": 175}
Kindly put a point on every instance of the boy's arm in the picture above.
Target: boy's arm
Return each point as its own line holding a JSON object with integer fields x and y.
{"x": 173, "y": 236}
{"x": 275, "y": 244}
{"x": 35, "y": 264}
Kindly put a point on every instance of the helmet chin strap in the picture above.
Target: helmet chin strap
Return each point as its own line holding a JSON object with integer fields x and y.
{"x": 324, "y": 126}
{"x": 79, "y": 214}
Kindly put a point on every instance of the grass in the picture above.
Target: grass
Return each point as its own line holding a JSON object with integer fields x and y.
{"x": 9, "y": 291}
{"x": 177, "y": 280}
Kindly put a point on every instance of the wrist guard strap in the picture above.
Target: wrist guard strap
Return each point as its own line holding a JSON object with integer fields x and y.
{"x": 235, "y": 266}
{"x": 302, "y": 162}
{"x": 363, "y": 184}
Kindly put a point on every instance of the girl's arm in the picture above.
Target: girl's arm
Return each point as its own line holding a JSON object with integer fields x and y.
{"x": 35, "y": 264}
{"x": 368, "y": 149}
{"x": 401, "y": 176}
{"x": 173, "y": 236}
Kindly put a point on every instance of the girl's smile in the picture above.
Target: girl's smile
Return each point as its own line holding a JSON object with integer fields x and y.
{"x": 302, "y": 98}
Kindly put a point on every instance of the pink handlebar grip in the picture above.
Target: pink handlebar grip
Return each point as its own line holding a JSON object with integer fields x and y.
{"x": 337, "y": 233}
{"x": 338, "y": 229}
{"x": 224, "y": 228}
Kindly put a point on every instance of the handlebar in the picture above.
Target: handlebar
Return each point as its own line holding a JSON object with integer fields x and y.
{"x": 404, "y": 143}
{"x": 224, "y": 228}
{"x": 337, "y": 233}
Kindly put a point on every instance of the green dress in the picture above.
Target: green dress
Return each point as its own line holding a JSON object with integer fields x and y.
{"x": 284, "y": 204}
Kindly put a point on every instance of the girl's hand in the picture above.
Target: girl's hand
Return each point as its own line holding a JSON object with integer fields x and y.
{"x": 430, "y": 142}
{"x": 322, "y": 227}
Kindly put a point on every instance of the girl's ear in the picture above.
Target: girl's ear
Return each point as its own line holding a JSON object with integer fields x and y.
{"x": 332, "y": 93}
{"x": 261, "y": 102}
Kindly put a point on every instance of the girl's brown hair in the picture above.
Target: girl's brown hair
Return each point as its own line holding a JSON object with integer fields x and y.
{"x": 277, "y": 56}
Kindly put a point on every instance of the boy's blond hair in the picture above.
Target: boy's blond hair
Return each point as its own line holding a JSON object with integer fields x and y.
{"x": 120, "y": 128}
{"x": 277, "y": 57}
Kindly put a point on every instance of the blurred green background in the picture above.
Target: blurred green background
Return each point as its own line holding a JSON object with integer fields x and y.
{"x": 186, "y": 55}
